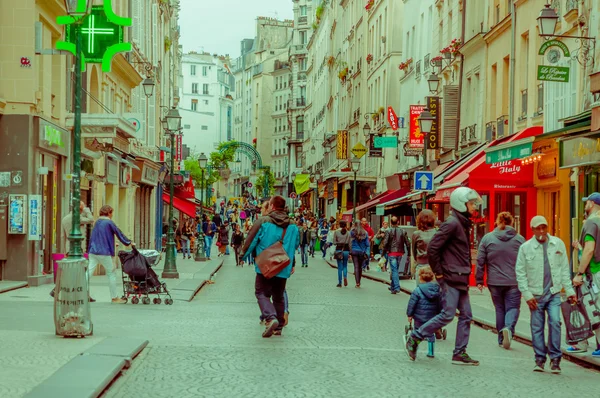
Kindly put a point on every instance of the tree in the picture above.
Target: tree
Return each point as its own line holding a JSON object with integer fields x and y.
{"x": 217, "y": 161}
{"x": 260, "y": 182}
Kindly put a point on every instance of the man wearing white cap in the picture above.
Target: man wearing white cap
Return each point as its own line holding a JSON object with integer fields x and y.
{"x": 542, "y": 272}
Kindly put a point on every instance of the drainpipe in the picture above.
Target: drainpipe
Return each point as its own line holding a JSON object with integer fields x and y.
{"x": 461, "y": 74}
{"x": 511, "y": 92}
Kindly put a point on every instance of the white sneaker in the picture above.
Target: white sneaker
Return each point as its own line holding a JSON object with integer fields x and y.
{"x": 506, "y": 338}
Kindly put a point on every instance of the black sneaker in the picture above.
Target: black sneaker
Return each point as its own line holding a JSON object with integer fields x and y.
{"x": 464, "y": 359}
{"x": 539, "y": 366}
{"x": 555, "y": 366}
{"x": 52, "y": 293}
{"x": 410, "y": 346}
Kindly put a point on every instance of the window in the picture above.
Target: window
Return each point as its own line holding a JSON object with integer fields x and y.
{"x": 303, "y": 64}
{"x": 204, "y": 127}
{"x": 302, "y": 11}
{"x": 194, "y": 88}
{"x": 205, "y": 89}
{"x": 204, "y": 71}
{"x": 303, "y": 37}
{"x": 206, "y": 102}
{"x": 193, "y": 70}
{"x": 298, "y": 156}
{"x": 194, "y": 105}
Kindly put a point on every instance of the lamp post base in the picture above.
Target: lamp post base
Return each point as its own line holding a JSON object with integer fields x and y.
{"x": 199, "y": 254}
{"x": 170, "y": 275}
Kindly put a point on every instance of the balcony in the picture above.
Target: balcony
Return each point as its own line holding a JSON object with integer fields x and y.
{"x": 490, "y": 131}
{"x": 468, "y": 135}
{"x": 281, "y": 65}
{"x": 302, "y": 20}
{"x": 300, "y": 102}
{"x": 296, "y": 139}
{"x": 302, "y": 76}
{"x": 501, "y": 123}
{"x": 298, "y": 49}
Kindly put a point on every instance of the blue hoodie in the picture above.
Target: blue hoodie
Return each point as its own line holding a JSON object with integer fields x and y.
{"x": 266, "y": 231}
{"x": 424, "y": 302}
{"x": 102, "y": 241}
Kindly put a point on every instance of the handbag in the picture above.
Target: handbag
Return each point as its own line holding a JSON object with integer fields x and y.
{"x": 577, "y": 322}
{"x": 273, "y": 259}
{"x": 338, "y": 255}
{"x": 219, "y": 244}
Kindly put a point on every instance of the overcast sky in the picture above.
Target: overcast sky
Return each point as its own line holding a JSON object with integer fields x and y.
{"x": 218, "y": 26}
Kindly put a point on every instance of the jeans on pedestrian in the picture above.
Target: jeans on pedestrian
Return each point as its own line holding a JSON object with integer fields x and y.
{"x": 342, "y": 266}
{"x": 207, "y": 245}
{"x": 394, "y": 261}
{"x": 547, "y": 304}
{"x": 108, "y": 263}
{"x": 270, "y": 296}
{"x": 507, "y": 300}
{"x": 285, "y": 302}
{"x": 324, "y": 247}
{"x": 311, "y": 248}
{"x": 304, "y": 254}
{"x": 237, "y": 249}
{"x": 430, "y": 338}
{"x": 367, "y": 260}
{"x": 358, "y": 260}
{"x": 185, "y": 247}
{"x": 452, "y": 299}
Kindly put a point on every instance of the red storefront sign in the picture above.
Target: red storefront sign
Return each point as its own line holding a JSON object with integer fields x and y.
{"x": 178, "y": 154}
{"x": 416, "y": 139}
{"x": 392, "y": 118}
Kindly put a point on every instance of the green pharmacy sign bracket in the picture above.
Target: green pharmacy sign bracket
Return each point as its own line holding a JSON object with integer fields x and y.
{"x": 101, "y": 35}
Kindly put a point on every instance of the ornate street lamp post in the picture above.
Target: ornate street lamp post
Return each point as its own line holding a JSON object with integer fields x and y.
{"x": 426, "y": 120}
{"x": 173, "y": 122}
{"x": 317, "y": 177}
{"x": 199, "y": 256}
{"x": 355, "y": 163}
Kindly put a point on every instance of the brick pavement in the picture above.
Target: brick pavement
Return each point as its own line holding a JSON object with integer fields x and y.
{"x": 29, "y": 350}
{"x": 340, "y": 343}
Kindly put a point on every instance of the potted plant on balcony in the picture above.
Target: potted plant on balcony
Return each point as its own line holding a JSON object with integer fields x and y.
{"x": 254, "y": 142}
{"x": 369, "y": 58}
{"x": 331, "y": 61}
{"x": 370, "y": 4}
{"x": 405, "y": 66}
{"x": 343, "y": 75}
{"x": 437, "y": 61}
{"x": 381, "y": 110}
{"x": 375, "y": 117}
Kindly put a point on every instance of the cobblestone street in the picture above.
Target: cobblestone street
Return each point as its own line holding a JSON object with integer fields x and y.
{"x": 339, "y": 343}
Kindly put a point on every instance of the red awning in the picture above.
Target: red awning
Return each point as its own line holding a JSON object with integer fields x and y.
{"x": 382, "y": 197}
{"x": 183, "y": 205}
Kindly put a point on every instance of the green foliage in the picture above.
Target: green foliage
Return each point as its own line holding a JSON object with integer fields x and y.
{"x": 260, "y": 182}
{"x": 216, "y": 161}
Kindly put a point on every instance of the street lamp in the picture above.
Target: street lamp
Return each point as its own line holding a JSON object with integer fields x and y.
{"x": 313, "y": 149}
{"x": 199, "y": 255}
{"x": 78, "y": 8}
{"x": 317, "y": 177}
{"x": 547, "y": 21}
{"x": 355, "y": 163}
{"x": 426, "y": 120}
{"x": 367, "y": 129}
{"x": 434, "y": 83}
{"x": 148, "y": 85}
{"x": 173, "y": 122}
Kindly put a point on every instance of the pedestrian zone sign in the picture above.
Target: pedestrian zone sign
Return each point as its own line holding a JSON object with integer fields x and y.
{"x": 423, "y": 180}
{"x": 359, "y": 150}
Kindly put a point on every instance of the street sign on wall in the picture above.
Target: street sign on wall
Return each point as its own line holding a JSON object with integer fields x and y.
{"x": 415, "y": 137}
{"x": 375, "y": 152}
{"x": 433, "y": 138}
{"x": 423, "y": 180}
{"x": 553, "y": 73}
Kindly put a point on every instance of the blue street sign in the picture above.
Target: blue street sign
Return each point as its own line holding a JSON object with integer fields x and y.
{"x": 423, "y": 180}
{"x": 401, "y": 122}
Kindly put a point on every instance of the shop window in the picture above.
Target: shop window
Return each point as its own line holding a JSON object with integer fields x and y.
{"x": 481, "y": 222}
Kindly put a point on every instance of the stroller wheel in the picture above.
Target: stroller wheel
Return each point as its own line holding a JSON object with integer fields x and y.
{"x": 157, "y": 300}
{"x": 135, "y": 300}
{"x": 169, "y": 301}
{"x": 146, "y": 300}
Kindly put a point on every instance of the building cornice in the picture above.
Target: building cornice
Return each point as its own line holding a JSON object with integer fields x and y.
{"x": 126, "y": 71}
{"x": 473, "y": 44}
{"x": 498, "y": 29}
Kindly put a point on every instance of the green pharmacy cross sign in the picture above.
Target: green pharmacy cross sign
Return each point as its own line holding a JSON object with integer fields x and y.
{"x": 101, "y": 35}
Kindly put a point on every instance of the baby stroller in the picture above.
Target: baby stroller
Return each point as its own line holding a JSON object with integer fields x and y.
{"x": 139, "y": 279}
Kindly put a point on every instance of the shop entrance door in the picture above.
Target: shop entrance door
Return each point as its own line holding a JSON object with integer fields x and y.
{"x": 49, "y": 192}
{"x": 515, "y": 204}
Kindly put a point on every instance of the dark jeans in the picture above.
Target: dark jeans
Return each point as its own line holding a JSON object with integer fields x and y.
{"x": 357, "y": 259}
{"x": 507, "y": 300}
{"x": 269, "y": 294}
{"x": 342, "y": 266}
{"x": 304, "y": 254}
{"x": 324, "y": 247}
{"x": 452, "y": 299}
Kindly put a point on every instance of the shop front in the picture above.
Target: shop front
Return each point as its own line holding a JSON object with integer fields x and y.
{"x": 146, "y": 178}
{"x": 34, "y": 160}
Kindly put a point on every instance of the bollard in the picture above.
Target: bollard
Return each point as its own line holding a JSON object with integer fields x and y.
{"x": 72, "y": 315}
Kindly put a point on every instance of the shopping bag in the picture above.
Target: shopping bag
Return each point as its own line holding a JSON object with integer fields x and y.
{"x": 577, "y": 321}
{"x": 317, "y": 245}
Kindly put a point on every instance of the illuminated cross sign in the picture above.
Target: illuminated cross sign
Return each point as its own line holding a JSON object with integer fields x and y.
{"x": 101, "y": 35}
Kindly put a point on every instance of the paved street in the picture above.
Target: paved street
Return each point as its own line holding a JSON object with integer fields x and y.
{"x": 340, "y": 342}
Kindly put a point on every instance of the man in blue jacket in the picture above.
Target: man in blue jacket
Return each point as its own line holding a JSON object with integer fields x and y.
{"x": 266, "y": 231}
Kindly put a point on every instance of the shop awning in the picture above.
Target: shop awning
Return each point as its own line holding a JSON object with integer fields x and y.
{"x": 183, "y": 205}
{"x": 443, "y": 192}
{"x": 382, "y": 197}
{"x": 403, "y": 199}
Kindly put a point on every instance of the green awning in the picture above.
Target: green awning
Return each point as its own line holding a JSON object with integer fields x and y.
{"x": 511, "y": 150}
{"x": 574, "y": 128}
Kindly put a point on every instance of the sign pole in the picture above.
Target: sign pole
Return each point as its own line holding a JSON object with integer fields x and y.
{"x": 424, "y": 167}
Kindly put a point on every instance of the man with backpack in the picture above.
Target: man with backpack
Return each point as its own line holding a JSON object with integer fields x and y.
{"x": 395, "y": 246}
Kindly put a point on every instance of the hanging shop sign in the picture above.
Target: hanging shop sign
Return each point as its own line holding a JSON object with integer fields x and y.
{"x": 579, "y": 151}
{"x": 52, "y": 138}
{"x": 433, "y": 138}
{"x": 503, "y": 155}
{"x": 553, "y": 73}
{"x": 416, "y": 139}
{"x": 342, "y": 144}
{"x": 555, "y": 43}
{"x": 385, "y": 142}
{"x": 392, "y": 118}
{"x": 374, "y": 150}
{"x": 408, "y": 151}
{"x": 17, "y": 214}
{"x": 546, "y": 168}
{"x": 359, "y": 150}
{"x": 101, "y": 34}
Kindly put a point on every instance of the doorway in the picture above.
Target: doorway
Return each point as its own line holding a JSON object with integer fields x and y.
{"x": 51, "y": 224}
{"x": 515, "y": 204}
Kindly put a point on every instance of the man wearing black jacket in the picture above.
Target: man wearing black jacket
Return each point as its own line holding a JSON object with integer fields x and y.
{"x": 449, "y": 255}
